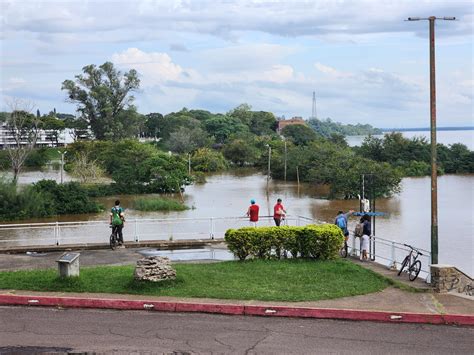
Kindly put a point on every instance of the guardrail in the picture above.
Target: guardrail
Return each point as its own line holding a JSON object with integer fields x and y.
{"x": 387, "y": 252}
{"x": 63, "y": 233}
{"x": 391, "y": 254}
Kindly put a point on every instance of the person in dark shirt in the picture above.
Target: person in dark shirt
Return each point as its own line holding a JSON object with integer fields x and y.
{"x": 364, "y": 240}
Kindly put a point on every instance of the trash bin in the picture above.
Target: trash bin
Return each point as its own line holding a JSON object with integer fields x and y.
{"x": 68, "y": 264}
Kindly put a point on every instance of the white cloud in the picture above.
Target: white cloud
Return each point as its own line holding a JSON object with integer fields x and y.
{"x": 154, "y": 67}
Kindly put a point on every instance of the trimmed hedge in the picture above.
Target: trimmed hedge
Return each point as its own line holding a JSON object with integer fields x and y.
{"x": 313, "y": 241}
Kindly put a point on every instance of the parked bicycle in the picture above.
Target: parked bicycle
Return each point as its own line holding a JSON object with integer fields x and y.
{"x": 114, "y": 241}
{"x": 410, "y": 261}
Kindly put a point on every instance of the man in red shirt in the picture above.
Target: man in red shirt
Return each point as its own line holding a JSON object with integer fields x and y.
{"x": 278, "y": 212}
{"x": 252, "y": 212}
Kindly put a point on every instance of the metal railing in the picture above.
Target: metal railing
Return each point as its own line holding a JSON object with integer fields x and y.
{"x": 387, "y": 252}
{"x": 391, "y": 254}
{"x": 81, "y": 232}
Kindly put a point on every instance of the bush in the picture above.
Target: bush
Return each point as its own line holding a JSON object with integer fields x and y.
{"x": 68, "y": 198}
{"x": 314, "y": 241}
{"x": 207, "y": 160}
{"x": 158, "y": 204}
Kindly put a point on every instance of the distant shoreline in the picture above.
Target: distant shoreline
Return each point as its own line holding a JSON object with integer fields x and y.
{"x": 467, "y": 128}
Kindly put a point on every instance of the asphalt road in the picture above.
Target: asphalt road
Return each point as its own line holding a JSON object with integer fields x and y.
{"x": 34, "y": 330}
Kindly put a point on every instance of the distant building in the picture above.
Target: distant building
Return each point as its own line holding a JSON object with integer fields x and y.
{"x": 292, "y": 121}
{"x": 43, "y": 140}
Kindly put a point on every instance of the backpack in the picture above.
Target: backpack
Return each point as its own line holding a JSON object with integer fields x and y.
{"x": 341, "y": 223}
{"x": 116, "y": 220}
{"x": 359, "y": 230}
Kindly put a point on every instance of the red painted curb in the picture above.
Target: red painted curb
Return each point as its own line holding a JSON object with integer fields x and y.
{"x": 232, "y": 309}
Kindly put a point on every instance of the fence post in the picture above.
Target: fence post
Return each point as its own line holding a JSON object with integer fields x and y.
{"x": 211, "y": 227}
{"x": 354, "y": 250}
{"x": 393, "y": 261}
{"x": 298, "y": 221}
{"x": 56, "y": 232}
{"x": 136, "y": 231}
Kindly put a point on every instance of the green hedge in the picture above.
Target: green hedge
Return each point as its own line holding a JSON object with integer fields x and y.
{"x": 313, "y": 241}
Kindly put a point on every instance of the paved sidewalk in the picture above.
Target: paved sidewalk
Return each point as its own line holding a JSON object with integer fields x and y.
{"x": 391, "y": 304}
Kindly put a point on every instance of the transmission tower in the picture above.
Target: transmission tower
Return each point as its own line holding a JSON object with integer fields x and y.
{"x": 313, "y": 111}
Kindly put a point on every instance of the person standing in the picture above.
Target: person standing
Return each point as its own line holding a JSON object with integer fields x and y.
{"x": 364, "y": 240}
{"x": 117, "y": 219}
{"x": 341, "y": 221}
{"x": 252, "y": 212}
{"x": 278, "y": 212}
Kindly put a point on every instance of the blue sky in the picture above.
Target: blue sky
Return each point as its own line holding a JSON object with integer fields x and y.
{"x": 364, "y": 61}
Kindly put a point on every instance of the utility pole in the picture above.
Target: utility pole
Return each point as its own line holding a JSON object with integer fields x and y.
{"x": 269, "y": 159}
{"x": 434, "y": 168}
{"x": 62, "y": 164}
{"x": 285, "y": 162}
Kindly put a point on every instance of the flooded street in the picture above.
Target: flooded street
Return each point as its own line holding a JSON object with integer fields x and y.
{"x": 228, "y": 195}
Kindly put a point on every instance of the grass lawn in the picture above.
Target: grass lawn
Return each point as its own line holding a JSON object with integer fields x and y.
{"x": 266, "y": 280}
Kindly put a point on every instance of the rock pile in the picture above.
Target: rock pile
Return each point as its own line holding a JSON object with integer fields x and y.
{"x": 154, "y": 268}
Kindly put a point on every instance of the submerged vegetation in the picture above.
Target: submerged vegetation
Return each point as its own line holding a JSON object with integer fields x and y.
{"x": 158, "y": 204}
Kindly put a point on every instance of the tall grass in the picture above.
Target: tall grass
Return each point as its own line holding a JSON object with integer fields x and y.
{"x": 158, "y": 204}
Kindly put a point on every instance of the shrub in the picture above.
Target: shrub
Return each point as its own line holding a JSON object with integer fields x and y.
{"x": 207, "y": 160}
{"x": 158, "y": 204}
{"x": 314, "y": 241}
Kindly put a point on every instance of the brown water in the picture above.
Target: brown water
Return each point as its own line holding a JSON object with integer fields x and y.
{"x": 408, "y": 220}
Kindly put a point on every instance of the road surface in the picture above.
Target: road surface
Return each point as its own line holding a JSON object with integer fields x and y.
{"x": 33, "y": 330}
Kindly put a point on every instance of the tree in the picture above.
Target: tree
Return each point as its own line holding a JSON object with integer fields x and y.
{"x": 263, "y": 123}
{"x": 221, "y": 127}
{"x": 153, "y": 123}
{"x": 299, "y": 134}
{"x": 86, "y": 169}
{"x": 103, "y": 99}
{"x": 22, "y": 130}
{"x": 53, "y": 128}
{"x": 79, "y": 128}
{"x": 185, "y": 140}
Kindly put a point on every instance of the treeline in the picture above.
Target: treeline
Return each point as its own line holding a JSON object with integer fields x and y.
{"x": 327, "y": 128}
{"x": 413, "y": 156}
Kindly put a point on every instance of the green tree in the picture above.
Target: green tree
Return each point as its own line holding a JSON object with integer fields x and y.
{"x": 263, "y": 123}
{"x": 207, "y": 160}
{"x": 222, "y": 127}
{"x": 103, "y": 97}
{"x": 241, "y": 153}
{"x": 299, "y": 134}
{"x": 53, "y": 128}
{"x": 185, "y": 140}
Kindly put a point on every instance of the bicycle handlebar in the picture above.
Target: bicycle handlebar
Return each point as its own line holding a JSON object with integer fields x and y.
{"x": 412, "y": 248}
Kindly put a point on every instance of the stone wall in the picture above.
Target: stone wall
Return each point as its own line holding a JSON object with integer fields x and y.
{"x": 447, "y": 278}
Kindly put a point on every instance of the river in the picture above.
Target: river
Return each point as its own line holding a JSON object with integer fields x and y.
{"x": 408, "y": 221}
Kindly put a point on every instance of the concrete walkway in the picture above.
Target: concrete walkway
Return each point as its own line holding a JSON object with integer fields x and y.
{"x": 391, "y": 304}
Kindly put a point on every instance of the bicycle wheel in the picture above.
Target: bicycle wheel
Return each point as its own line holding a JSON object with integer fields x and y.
{"x": 343, "y": 252}
{"x": 113, "y": 241}
{"x": 405, "y": 263}
{"x": 414, "y": 270}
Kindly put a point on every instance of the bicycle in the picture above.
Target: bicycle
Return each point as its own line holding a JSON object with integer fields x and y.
{"x": 113, "y": 238}
{"x": 414, "y": 265}
{"x": 343, "y": 252}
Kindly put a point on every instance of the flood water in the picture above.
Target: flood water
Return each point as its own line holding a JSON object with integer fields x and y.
{"x": 407, "y": 221}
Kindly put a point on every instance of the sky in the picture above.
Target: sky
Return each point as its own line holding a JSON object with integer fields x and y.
{"x": 365, "y": 63}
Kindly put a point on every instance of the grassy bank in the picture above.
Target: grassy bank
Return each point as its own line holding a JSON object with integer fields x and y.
{"x": 158, "y": 204}
{"x": 289, "y": 280}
